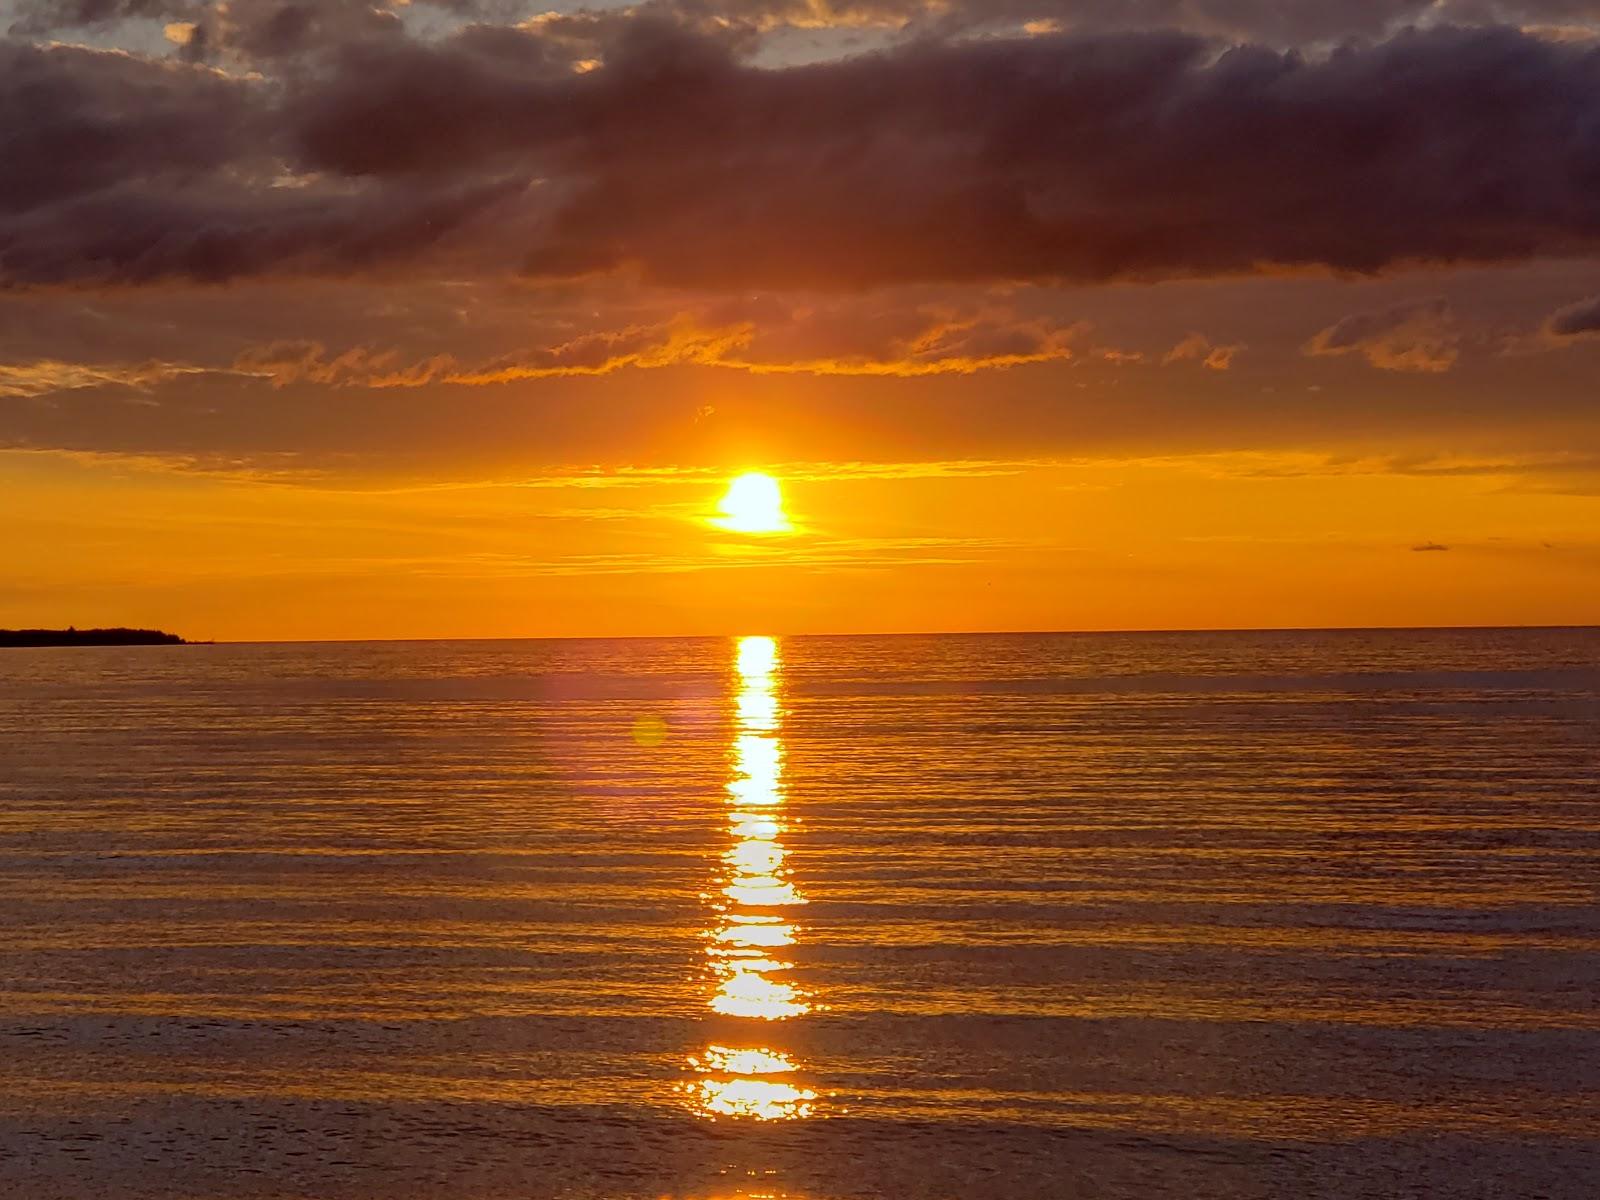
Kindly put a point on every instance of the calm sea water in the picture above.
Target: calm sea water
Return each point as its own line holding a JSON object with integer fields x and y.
{"x": 1200, "y": 915}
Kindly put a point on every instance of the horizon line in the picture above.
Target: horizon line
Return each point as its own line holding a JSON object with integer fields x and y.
{"x": 906, "y": 633}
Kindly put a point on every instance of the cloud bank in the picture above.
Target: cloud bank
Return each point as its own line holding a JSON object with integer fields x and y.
{"x": 651, "y": 147}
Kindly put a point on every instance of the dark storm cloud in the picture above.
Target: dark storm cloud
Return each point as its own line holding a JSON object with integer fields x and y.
{"x": 1081, "y": 158}
{"x": 1072, "y": 158}
{"x": 123, "y": 171}
{"x": 132, "y": 237}
{"x": 75, "y": 122}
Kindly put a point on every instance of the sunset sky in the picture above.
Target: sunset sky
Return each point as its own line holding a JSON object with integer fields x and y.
{"x": 456, "y": 317}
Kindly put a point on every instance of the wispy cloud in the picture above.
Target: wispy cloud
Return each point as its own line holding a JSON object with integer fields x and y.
{"x": 1411, "y": 337}
{"x": 851, "y": 339}
{"x": 46, "y": 376}
{"x": 1197, "y": 348}
{"x": 585, "y": 478}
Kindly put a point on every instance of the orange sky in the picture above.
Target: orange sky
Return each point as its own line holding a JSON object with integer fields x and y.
{"x": 1188, "y": 542}
{"x": 1045, "y": 315}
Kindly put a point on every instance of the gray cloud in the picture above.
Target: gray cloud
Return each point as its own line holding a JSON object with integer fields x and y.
{"x": 1575, "y": 320}
{"x": 251, "y": 31}
{"x": 1276, "y": 22}
{"x": 266, "y": 29}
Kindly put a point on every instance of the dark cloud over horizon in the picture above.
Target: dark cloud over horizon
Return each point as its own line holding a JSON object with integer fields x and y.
{"x": 1078, "y": 158}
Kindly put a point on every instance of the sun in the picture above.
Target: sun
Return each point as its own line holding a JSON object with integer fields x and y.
{"x": 753, "y": 503}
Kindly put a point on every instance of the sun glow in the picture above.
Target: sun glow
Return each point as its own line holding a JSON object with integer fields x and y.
{"x": 753, "y": 503}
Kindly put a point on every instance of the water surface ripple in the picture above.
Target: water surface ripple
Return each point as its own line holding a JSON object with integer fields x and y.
{"x": 900, "y": 918}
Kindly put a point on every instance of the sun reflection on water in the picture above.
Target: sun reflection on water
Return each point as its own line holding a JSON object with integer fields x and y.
{"x": 744, "y": 950}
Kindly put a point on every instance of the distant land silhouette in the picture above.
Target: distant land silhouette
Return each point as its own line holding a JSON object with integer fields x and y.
{"x": 71, "y": 636}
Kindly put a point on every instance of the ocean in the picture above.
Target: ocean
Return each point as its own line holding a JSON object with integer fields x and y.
{"x": 1190, "y": 915}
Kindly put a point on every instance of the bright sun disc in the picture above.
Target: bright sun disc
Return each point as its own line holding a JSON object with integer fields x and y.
{"x": 753, "y": 503}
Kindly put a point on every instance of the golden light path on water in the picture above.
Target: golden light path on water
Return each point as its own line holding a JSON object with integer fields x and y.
{"x": 746, "y": 947}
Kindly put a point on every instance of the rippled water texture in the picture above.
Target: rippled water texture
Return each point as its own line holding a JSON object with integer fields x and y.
{"x": 1205, "y": 915}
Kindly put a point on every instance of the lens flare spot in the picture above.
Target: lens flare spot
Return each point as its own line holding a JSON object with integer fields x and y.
{"x": 649, "y": 731}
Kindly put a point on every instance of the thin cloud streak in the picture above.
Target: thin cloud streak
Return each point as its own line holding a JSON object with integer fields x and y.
{"x": 46, "y": 377}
